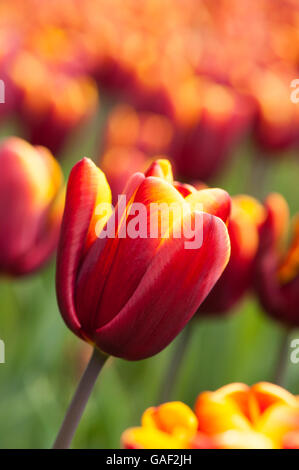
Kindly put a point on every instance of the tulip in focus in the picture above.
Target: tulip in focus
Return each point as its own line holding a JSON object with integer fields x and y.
{"x": 277, "y": 268}
{"x": 130, "y": 297}
{"x": 31, "y": 206}
{"x": 246, "y": 217}
{"x": 128, "y": 294}
{"x": 235, "y": 416}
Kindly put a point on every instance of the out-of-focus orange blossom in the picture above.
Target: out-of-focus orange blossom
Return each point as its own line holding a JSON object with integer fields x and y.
{"x": 236, "y": 416}
{"x": 215, "y": 70}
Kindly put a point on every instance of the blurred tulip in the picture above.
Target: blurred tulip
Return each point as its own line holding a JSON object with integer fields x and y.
{"x": 246, "y": 217}
{"x": 211, "y": 120}
{"x": 276, "y": 124}
{"x": 148, "y": 132}
{"x": 119, "y": 164}
{"x": 51, "y": 104}
{"x": 277, "y": 273}
{"x": 131, "y": 139}
{"x": 236, "y": 416}
{"x": 106, "y": 285}
{"x": 168, "y": 426}
{"x": 31, "y": 206}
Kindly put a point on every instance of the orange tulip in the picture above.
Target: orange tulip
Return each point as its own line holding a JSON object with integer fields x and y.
{"x": 276, "y": 126}
{"x": 51, "y": 105}
{"x": 236, "y": 416}
{"x": 131, "y": 296}
{"x": 246, "y": 217}
{"x": 277, "y": 272}
{"x": 131, "y": 140}
{"x": 31, "y": 206}
{"x": 210, "y": 121}
{"x": 148, "y": 132}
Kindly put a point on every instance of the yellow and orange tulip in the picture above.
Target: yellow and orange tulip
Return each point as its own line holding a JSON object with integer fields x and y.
{"x": 50, "y": 104}
{"x": 246, "y": 217}
{"x": 264, "y": 416}
{"x": 277, "y": 267}
{"x": 31, "y": 206}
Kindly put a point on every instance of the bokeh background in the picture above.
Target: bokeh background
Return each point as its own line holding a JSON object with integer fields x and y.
{"x": 80, "y": 77}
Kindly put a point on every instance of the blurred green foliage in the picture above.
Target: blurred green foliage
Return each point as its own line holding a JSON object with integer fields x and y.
{"x": 44, "y": 359}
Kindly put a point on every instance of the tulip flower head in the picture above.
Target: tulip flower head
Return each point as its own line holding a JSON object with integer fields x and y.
{"x": 211, "y": 121}
{"x": 51, "y": 105}
{"x": 131, "y": 295}
{"x": 277, "y": 268}
{"x": 274, "y": 131}
{"x": 246, "y": 217}
{"x": 31, "y": 207}
{"x": 235, "y": 416}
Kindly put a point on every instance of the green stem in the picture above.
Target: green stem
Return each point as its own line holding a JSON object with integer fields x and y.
{"x": 79, "y": 401}
{"x": 258, "y": 176}
{"x": 172, "y": 372}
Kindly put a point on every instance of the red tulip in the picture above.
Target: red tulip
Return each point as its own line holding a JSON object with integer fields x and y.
{"x": 276, "y": 125}
{"x": 277, "y": 268}
{"x": 51, "y": 105}
{"x": 246, "y": 217}
{"x": 31, "y": 206}
{"x": 130, "y": 297}
{"x": 210, "y": 121}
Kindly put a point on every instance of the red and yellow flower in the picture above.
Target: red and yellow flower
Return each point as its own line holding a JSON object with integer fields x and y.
{"x": 131, "y": 296}
{"x": 51, "y": 104}
{"x": 31, "y": 206}
{"x": 210, "y": 120}
{"x": 246, "y": 217}
{"x": 277, "y": 263}
{"x": 236, "y": 416}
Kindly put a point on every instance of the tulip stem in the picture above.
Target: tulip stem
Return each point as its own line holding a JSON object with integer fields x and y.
{"x": 280, "y": 371}
{"x": 79, "y": 401}
{"x": 172, "y": 372}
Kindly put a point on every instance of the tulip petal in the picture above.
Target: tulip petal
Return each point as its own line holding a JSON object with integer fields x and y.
{"x": 214, "y": 201}
{"x": 184, "y": 188}
{"x": 268, "y": 394}
{"x": 46, "y": 241}
{"x": 83, "y": 191}
{"x": 161, "y": 168}
{"x": 156, "y": 317}
{"x": 19, "y": 190}
{"x": 114, "y": 268}
{"x": 98, "y": 260}
{"x": 150, "y": 438}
